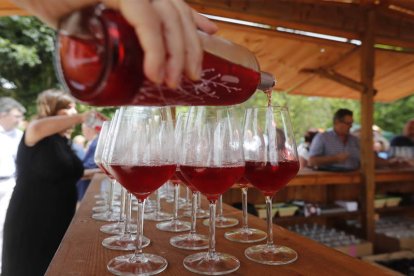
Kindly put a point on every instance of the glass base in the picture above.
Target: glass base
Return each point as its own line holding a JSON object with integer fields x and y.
{"x": 105, "y": 202}
{"x": 117, "y": 228}
{"x": 104, "y": 208}
{"x": 100, "y": 196}
{"x": 245, "y": 235}
{"x": 185, "y": 206}
{"x": 142, "y": 264}
{"x": 158, "y": 216}
{"x": 271, "y": 255}
{"x": 190, "y": 241}
{"x": 174, "y": 226}
{"x": 200, "y": 214}
{"x": 107, "y": 216}
{"x": 218, "y": 264}
{"x": 222, "y": 222}
{"x": 147, "y": 210}
{"x": 124, "y": 242}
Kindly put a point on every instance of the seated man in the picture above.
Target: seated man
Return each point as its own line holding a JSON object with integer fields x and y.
{"x": 337, "y": 149}
{"x": 407, "y": 138}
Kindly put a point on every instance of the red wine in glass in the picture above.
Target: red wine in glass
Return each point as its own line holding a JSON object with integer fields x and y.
{"x": 105, "y": 171}
{"x": 180, "y": 176}
{"x": 212, "y": 181}
{"x": 242, "y": 183}
{"x": 270, "y": 178}
{"x": 142, "y": 180}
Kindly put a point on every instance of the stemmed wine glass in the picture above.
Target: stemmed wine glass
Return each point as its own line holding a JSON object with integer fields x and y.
{"x": 221, "y": 220}
{"x": 157, "y": 214}
{"x": 191, "y": 240}
{"x": 271, "y": 162}
{"x": 142, "y": 158}
{"x": 109, "y": 214}
{"x": 175, "y": 225}
{"x": 245, "y": 234}
{"x": 212, "y": 161}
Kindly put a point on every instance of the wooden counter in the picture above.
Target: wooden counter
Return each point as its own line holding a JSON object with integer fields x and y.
{"x": 81, "y": 252}
{"x": 311, "y": 177}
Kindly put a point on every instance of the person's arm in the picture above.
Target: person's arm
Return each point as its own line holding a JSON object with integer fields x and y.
{"x": 167, "y": 32}
{"x": 41, "y": 128}
{"x": 318, "y": 157}
{"x": 316, "y": 161}
{"x": 89, "y": 173}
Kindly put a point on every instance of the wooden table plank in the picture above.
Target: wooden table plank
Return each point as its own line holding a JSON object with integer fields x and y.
{"x": 81, "y": 252}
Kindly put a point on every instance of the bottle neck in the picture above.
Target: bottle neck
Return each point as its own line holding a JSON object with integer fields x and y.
{"x": 267, "y": 81}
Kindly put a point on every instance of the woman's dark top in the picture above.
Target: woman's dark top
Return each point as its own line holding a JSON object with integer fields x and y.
{"x": 42, "y": 205}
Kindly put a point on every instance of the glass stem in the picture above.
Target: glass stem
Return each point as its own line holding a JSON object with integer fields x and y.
{"x": 220, "y": 208}
{"x": 193, "y": 214}
{"x": 111, "y": 195}
{"x": 212, "y": 226}
{"x": 269, "y": 221}
{"x": 140, "y": 227}
{"x": 188, "y": 194}
{"x": 123, "y": 206}
{"x": 176, "y": 195}
{"x": 158, "y": 203}
{"x": 198, "y": 200}
{"x": 128, "y": 206}
{"x": 244, "y": 208}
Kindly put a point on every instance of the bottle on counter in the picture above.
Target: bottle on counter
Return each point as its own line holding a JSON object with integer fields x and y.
{"x": 100, "y": 62}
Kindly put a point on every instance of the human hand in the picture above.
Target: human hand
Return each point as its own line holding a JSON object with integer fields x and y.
{"x": 341, "y": 157}
{"x": 88, "y": 116}
{"x": 167, "y": 31}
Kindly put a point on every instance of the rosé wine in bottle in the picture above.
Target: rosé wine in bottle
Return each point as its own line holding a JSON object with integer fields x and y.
{"x": 99, "y": 60}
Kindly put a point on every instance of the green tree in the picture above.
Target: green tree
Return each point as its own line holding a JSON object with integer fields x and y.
{"x": 26, "y": 59}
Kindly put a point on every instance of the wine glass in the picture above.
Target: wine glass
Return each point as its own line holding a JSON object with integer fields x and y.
{"x": 108, "y": 213}
{"x": 200, "y": 212}
{"x": 271, "y": 162}
{"x": 142, "y": 158}
{"x": 212, "y": 161}
{"x": 245, "y": 234}
{"x": 175, "y": 225}
{"x": 157, "y": 214}
{"x": 118, "y": 227}
{"x": 221, "y": 220}
{"x": 191, "y": 240}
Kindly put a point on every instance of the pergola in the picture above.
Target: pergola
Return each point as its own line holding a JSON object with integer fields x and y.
{"x": 357, "y": 49}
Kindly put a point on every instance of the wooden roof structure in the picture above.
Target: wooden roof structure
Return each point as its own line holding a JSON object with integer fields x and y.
{"x": 373, "y": 61}
{"x": 310, "y": 66}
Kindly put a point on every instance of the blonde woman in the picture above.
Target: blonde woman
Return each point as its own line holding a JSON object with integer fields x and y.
{"x": 44, "y": 199}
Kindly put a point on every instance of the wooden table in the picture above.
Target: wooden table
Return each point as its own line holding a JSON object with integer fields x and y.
{"x": 81, "y": 252}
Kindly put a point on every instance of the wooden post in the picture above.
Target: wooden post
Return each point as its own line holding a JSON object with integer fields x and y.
{"x": 367, "y": 109}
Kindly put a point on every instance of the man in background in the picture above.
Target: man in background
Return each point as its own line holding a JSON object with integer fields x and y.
{"x": 11, "y": 115}
{"x": 337, "y": 149}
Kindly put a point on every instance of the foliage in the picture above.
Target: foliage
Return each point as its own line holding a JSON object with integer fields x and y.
{"x": 26, "y": 59}
{"x": 26, "y": 62}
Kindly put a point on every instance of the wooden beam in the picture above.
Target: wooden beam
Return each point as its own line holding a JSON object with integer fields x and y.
{"x": 7, "y": 8}
{"x": 366, "y": 138}
{"x": 337, "y": 77}
{"x": 331, "y": 18}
